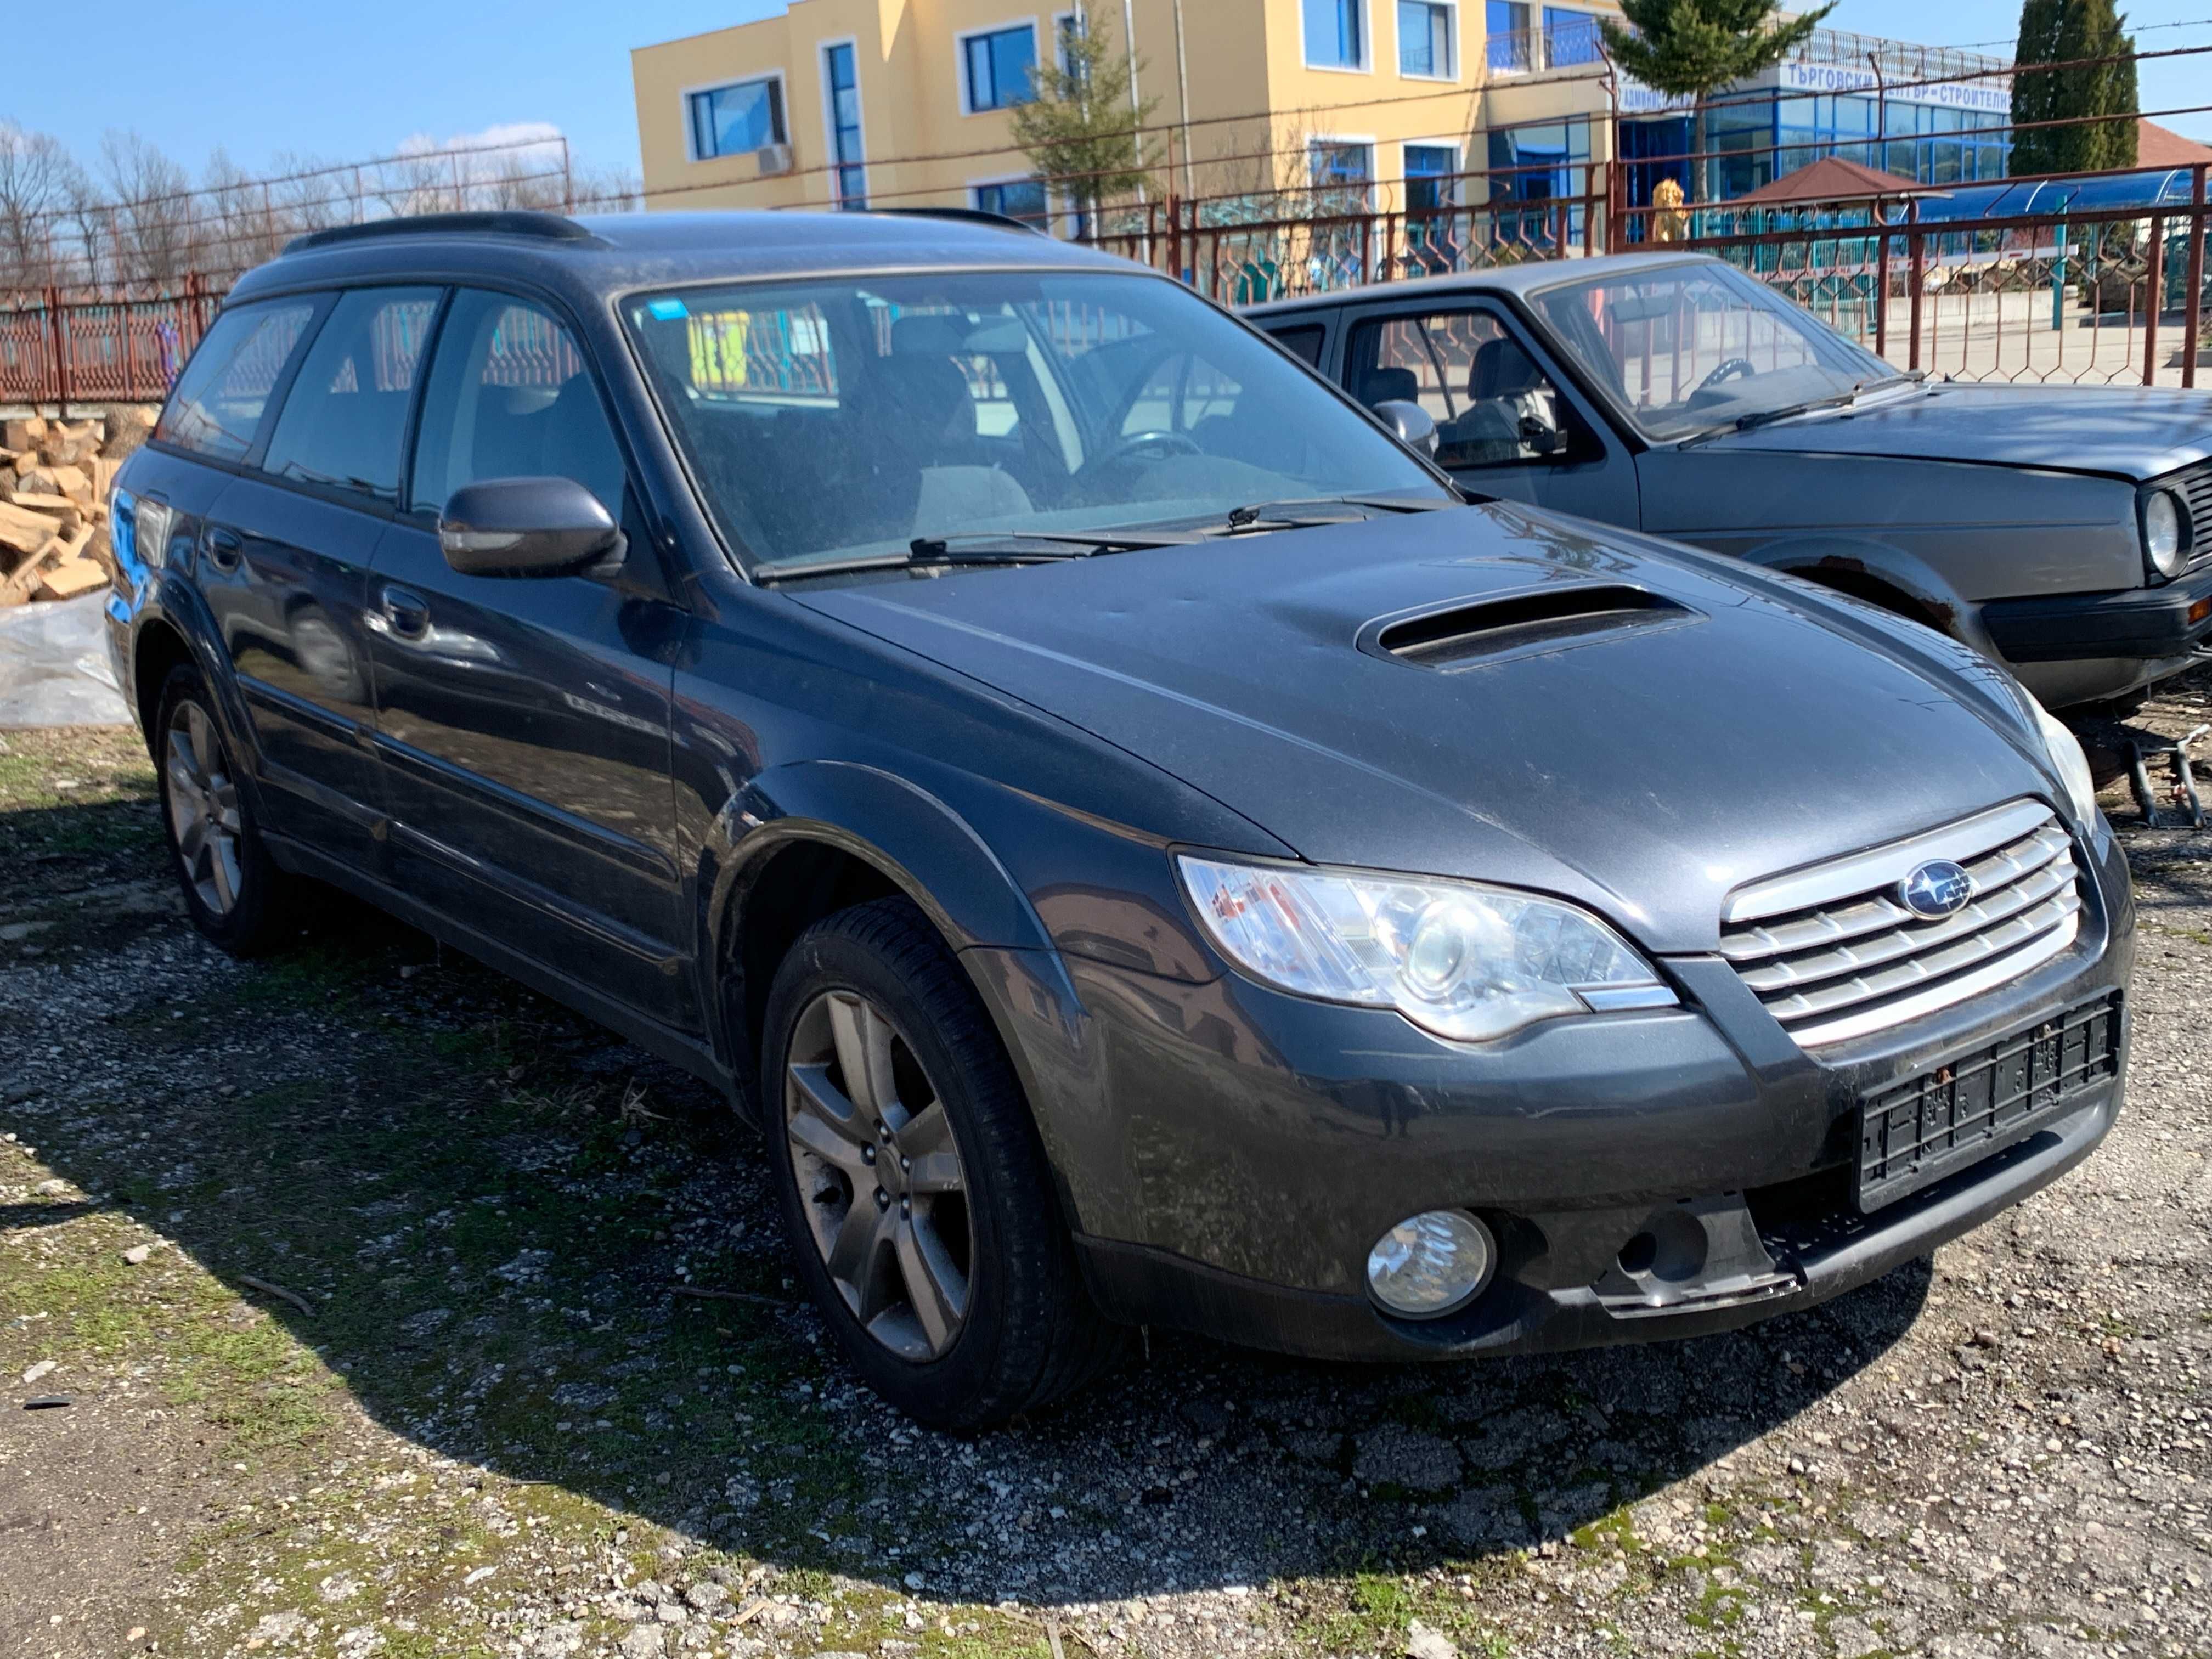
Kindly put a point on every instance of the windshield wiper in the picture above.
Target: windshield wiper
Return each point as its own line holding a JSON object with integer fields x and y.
{"x": 991, "y": 547}
{"x": 1300, "y": 514}
{"x": 1760, "y": 417}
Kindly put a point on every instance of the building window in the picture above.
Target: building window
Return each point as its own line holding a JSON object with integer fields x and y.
{"x": 1000, "y": 67}
{"x": 1016, "y": 198}
{"x": 1569, "y": 38}
{"x": 1426, "y": 47}
{"x": 734, "y": 120}
{"x": 1431, "y": 177}
{"x": 1506, "y": 25}
{"x": 1343, "y": 175}
{"x": 841, "y": 84}
{"x": 1336, "y": 33}
{"x": 1536, "y": 166}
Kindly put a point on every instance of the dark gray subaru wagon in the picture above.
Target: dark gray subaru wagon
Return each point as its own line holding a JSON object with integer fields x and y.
{"x": 1141, "y": 846}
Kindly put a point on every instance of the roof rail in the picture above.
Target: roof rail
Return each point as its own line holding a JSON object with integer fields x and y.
{"x": 546, "y": 227}
{"x": 966, "y": 216}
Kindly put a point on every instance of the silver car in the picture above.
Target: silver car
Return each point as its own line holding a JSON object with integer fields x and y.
{"x": 2066, "y": 531}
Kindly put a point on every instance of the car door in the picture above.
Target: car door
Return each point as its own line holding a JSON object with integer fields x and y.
{"x": 1508, "y": 422}
{"x": 524, "y": 721}
{"x": 284, "y": 558}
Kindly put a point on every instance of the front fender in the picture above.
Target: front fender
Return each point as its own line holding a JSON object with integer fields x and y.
{"x": 913, "y": 839}
{"x": 1838, "y": 562}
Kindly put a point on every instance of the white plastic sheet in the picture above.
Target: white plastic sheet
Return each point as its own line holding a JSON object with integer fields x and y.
{"x": 54, "y": 667}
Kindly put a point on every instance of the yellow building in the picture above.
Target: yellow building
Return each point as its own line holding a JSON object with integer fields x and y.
{"x": 903, "y": 102}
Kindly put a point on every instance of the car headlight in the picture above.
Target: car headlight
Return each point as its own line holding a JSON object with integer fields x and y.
{"x": 2165, "y": 533}
{"x": 2073, "y": 766}
{"x": 1463, "y": 960}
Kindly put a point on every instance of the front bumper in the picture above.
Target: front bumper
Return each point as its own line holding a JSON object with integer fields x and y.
{"x": 1229, "y": 1154}
{"x": 2170, "y": 621}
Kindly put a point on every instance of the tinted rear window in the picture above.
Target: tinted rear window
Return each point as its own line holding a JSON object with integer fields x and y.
{"x": 219, "y": 400}
{"x": 1303, "y": 343}
{"x": 344, "y": 417}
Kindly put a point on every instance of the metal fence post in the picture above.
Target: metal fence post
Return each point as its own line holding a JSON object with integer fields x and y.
{"x": 2154, "y": 298}
{"x": 1882, "y": 284}
{"x": 1918, "y": 244}
{"x": 58, "y": 331}
{"x": 2192, "y": 302}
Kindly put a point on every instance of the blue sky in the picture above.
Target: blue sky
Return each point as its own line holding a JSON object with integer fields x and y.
{"x": 345, "y": 81}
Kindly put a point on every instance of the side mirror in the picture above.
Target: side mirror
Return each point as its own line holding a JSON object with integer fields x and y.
{"x": 1415, "y": 427}
{"x": 525, "y": 527}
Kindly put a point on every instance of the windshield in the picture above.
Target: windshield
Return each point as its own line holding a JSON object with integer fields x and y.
{"x": 1690, "y": 348}
{"x": 827, "y": 420}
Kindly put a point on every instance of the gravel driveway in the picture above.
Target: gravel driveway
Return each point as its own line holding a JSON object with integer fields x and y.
{"x": 398, "y": 1312}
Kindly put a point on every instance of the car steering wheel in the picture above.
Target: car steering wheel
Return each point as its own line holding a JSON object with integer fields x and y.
{"x": 1174, "y": 443}
{"x": 1734, "y": 368}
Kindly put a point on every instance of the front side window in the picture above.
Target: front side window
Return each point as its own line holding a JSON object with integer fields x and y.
{"x": 1505, "y": 24}
{"x": 216, "y": 407}
{"x": 1017, "y": 199}
{"x": 738, "y": 120}
{"x": 1695, "y": 347}
{"x": 509, "y": 396}
{"x": 859, "y": 415}
{"x": 1000, "y": 67}
{"x": 1336, "y": 33}
{"x": 841, "y": 82}
{"x": 344, "y": 418}
{"x": 1426, "y": 48}
{"x": 1492, "y": 403}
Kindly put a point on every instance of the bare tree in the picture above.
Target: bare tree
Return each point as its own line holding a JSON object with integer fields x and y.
{"x": 608, "y": 189}
{"x": 238, "y": 220}
{"x": 37, "y": 176}
{"x": 415, "y": 184}
{"x": 313, "y": 194}
{"x": 157, "y": 235}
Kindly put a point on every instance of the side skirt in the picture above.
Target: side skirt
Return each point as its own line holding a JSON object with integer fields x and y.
{"x": 692, "y": 1054}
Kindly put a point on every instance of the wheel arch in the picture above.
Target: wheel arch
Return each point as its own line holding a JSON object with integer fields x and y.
{"x": 160, "y": 649}
{"x": 1881, "y": 575}
{"x": 807, "y": 841}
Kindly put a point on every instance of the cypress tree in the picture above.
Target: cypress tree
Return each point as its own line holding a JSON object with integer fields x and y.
{"x": 2069, "y": 32}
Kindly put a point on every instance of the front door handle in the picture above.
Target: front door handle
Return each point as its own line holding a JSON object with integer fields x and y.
{"x": 224, "y": 550}
{"x": 408, "y": 611}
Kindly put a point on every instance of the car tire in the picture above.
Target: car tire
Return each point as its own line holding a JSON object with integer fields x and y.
{"x": 233, "y": 890}
{"x": 950, "y": 1281}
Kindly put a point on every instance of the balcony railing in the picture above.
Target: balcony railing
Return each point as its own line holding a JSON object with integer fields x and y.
{"x": 1567, "y": 43}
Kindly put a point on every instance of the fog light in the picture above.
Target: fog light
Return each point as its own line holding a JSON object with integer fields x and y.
{"x": 1430, "y": 1263}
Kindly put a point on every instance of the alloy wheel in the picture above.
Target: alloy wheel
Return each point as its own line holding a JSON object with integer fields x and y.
{"x": 879, "y": 1175}
{"x": 204, "y": 815}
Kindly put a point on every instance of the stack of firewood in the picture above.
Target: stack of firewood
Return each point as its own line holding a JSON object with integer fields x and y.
{"x": 54, "y": 482}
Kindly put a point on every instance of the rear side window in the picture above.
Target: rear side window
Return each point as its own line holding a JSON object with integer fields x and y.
{"x": 345, "y": 417}
{"x": 509, "y": 397}
{"x": 1303, "y": 343}
{"x": 219, "y": 400}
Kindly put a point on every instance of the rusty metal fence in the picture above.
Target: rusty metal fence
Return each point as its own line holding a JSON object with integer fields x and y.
{"x": 101, "y": 348}
{"x": 2113, "y": 295}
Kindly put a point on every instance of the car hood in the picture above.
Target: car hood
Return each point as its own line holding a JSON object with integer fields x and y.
{"x": 1644, "y": 765}
{"x": 2125, "y": 433}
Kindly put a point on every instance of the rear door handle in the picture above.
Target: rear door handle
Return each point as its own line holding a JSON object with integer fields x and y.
{"x": 224, "y": 550}
{"x": 408, "y": 611}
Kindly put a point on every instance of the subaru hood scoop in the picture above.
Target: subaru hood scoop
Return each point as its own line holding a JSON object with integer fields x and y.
{"x": 1639, "y": 727}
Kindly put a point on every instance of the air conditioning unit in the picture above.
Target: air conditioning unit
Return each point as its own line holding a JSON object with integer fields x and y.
{"x": 772, "y": 161}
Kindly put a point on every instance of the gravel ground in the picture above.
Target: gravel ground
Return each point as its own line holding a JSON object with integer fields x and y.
{"x": 371, "y": 1284}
